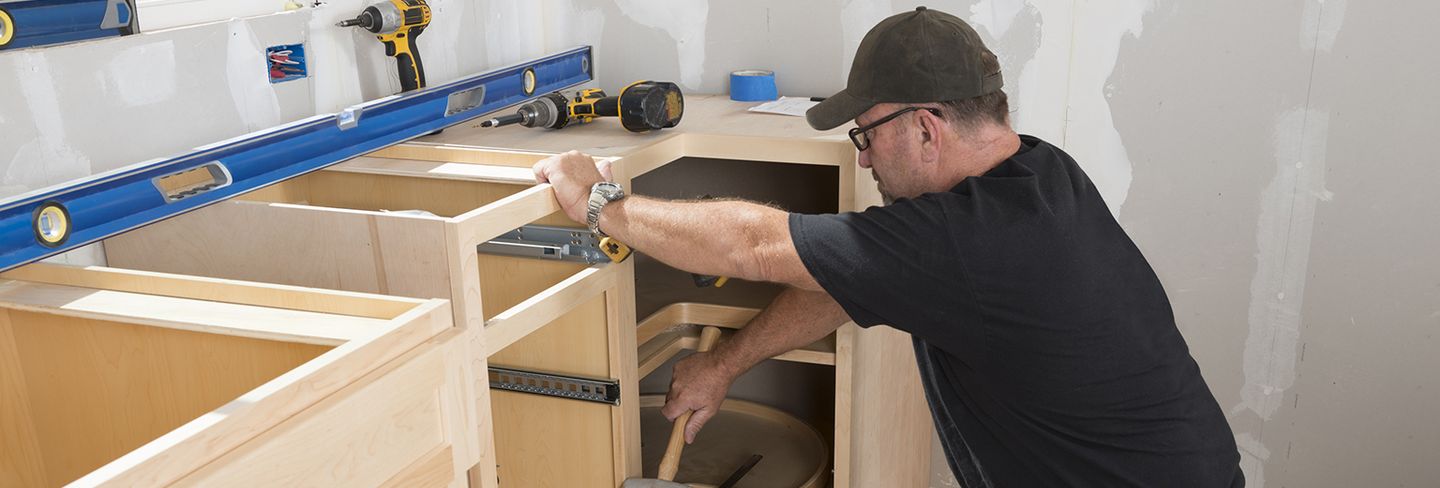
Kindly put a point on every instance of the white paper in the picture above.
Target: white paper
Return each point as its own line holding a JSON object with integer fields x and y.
{"x": 795, "y": 106}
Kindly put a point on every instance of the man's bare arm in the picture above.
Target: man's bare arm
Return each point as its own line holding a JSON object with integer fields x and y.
{"x": 724, "y": 238}
{"x": 795, "y": 319}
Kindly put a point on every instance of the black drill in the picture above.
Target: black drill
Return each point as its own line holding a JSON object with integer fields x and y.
{"x": 643, "y": 106}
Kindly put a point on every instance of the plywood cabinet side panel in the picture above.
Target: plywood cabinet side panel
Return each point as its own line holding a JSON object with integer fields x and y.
{"x": 576, "y": 343}
{"x": 548, "y": 441}
{"x": 552, "y": 442}
{"x": 21, "y": 463}
{"x": 258, "y": 242}
{"x": 889, "y": 438}
{"x": 410, "y": 257}
{"x": 544, "y": 307}
{"x": 174, "y": 455}
{"x": 506, "y": 281}
{"x": 295, "y": 190}
{"x": 364, "y": 435}
{"x": 128, "y": 384}
{"x": 890, "y": 422}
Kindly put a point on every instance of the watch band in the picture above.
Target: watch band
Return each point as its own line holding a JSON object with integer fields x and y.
{"x": 592, "y": 214}
{"x": 600, "y": 194}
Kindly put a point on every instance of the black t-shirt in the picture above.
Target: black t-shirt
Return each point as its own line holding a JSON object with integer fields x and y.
{"x": 1046, "y": 342}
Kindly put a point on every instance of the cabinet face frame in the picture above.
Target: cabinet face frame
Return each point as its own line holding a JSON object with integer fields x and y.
{"x": 383, "y": 334}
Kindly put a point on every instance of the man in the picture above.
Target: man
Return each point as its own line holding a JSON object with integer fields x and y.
{"x": 1046, "y": 344}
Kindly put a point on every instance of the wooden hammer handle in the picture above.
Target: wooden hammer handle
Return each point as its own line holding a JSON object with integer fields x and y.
{"x": 671, "y": 462}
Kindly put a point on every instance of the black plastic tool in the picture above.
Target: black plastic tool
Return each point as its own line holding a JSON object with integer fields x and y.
{"x": 740, "y": 472}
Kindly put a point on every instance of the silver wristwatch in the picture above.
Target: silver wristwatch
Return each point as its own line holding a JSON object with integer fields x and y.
{"x": 602, "y": 193}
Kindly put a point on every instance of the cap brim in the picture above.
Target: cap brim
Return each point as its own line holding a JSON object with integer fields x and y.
{"x": 836, "y": 111}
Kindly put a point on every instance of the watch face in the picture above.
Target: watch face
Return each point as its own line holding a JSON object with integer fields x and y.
{"x": 611, "y": 191}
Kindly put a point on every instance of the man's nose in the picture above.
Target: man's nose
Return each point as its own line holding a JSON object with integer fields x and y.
{"x": 864, "y": 159}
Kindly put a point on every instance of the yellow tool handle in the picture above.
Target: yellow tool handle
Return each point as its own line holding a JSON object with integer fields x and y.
{"x": 616, "y": 250}
{"x": 671, "y": 462}
{"x": 401, "y": 46}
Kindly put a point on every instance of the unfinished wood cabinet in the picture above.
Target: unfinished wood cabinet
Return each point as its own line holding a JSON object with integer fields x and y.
{"x": 411, "y": 228}
{"x": 123, "y": 378}
{"x": 356, "y": 227}
{"x": 872, "y": 412}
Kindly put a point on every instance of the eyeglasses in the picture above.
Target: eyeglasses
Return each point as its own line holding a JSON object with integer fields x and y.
{"x": 861, "y": 135}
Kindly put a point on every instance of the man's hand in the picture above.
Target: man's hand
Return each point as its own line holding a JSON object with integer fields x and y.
{"x": 699, "y": 383}
{"x": 572, "y": 174}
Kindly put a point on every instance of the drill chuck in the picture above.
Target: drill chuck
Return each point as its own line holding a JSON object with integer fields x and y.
{"x": 549, "y": 111}
{"x": 381, "y": 18}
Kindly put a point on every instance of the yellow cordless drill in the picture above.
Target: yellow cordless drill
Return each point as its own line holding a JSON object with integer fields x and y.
{"x": 642, "y": 106}
{"x": 397, "y": 23}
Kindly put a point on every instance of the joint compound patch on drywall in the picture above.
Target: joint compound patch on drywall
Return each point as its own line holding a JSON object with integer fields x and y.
{"x": 684, "y": 21}
{"x": 1090, "y": 133}
{"x": 1277, "y": 291}
{"x": 248, "y": 80}
{"x": 1321, "y": 24}
{"x": 1015, "y": 30}
{"x": 1042, "y": 87}
{"x": 1283, "y": 235}
{"x": 1064, "y": 90}
{"x": 856, "y": 19}
{"x": 143, "y": 74}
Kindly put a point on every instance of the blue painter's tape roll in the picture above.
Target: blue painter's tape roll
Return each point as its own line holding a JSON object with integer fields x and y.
{"x": 753, "y": 85}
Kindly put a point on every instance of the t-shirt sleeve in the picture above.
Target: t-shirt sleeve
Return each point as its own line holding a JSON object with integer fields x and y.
{"x": 881, "y": 265}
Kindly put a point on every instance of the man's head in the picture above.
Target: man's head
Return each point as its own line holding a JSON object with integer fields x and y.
{"x": 925, "y": 96}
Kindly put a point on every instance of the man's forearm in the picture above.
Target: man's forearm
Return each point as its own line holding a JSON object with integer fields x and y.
{"x": 722, "y": 238}
{"x": 795, "y": 319}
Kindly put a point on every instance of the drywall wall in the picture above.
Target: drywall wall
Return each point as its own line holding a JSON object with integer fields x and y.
{"x": 1263, "y": 156}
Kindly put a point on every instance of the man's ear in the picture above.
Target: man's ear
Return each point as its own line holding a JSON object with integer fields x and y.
{"x": 930, "y": 135}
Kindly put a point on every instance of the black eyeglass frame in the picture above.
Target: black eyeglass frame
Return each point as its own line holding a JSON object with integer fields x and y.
{"x": 865, "y": 143}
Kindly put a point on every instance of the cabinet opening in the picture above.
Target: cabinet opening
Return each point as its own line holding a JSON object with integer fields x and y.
{"x": 78, "y": 393}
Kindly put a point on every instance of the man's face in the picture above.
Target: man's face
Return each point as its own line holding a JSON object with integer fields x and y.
{"x": 892, "y": 156}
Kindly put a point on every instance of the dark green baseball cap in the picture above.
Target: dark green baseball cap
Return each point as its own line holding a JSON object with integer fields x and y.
{"x": 921, "y": 56}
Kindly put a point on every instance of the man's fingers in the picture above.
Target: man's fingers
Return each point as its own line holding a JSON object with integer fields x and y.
{"x": 673, "y": 409}
{"x": 697, "y": 421}
{"x": 539, "y": 170}
{"x": 605, "y": 171}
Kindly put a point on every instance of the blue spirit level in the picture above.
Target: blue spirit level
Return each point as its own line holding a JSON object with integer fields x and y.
{"x": 54, "y": 220}
{"x": 26, "y": 23}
